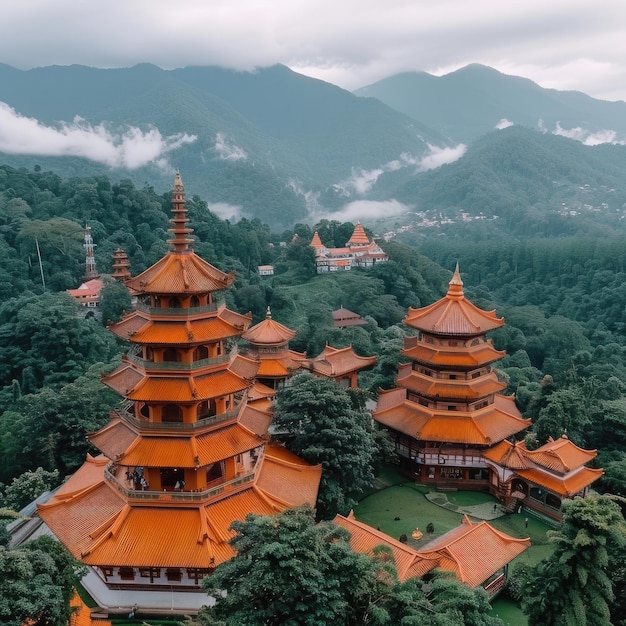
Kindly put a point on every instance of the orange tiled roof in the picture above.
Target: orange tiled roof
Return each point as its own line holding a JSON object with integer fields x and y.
{"x": 474, "y": 552}
{"x": 187, "y": 388}
{"x": 272, "y": 368}
{"x": 123, "y": 378}
{"x": 560, "y": 455}
{"x": 566, "y": 486}
{"x": 130, "y": 324}
{"x": 268, "y": 332}
{"x": 81, "y": 614}
{"x": 288, "y": 478}
{"x": 180, "y": 273}
{"x": 316, "y": 242}
{"x": 256, "y": 419}
{"x": 364, "y": 539}
{"x": 463, "y": 356}
{"x": 509, "y": 455}
{"x": 336, "y": 361}
{"x": 475, "y": 388}
{"x": 177, "y": 332}
{"x": 192, "y": 451}
{"x": 101, "y": 529}
{"x": 358, "y": 236}
{"x": 243, "y": 366}
{"x": 238, "y": 320}
{"x": 258, "y": 391}
{"x": 485, "y": 426}
{"x": 453, "y": 314}
{"x": 114, "y": 438}
{"x": 91, "y": 288}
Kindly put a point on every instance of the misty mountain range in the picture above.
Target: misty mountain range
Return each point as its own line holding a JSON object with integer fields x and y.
{"x": 283, "y": 147}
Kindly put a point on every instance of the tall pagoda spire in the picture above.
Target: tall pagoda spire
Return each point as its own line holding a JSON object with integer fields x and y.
{"x": 180, "y": 242}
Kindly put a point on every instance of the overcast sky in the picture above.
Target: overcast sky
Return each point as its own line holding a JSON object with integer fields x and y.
{"x": 563, "y": 44}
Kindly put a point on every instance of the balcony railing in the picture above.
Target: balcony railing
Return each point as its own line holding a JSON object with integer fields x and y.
{"x": 193, "y": 310}
{"x": 457, "y": 458}
{"x": 182, "y": 496}
{"x": 177, "y": 365}
{"x": 142, "y": 424}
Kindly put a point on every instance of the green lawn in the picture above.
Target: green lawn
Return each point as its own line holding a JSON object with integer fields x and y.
{"x": 409, "y": 504}
{"x": 469, "y": 498}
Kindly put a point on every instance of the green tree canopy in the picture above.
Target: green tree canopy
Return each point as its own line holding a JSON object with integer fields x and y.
{"x": 573, "y": 586}
{"x": 36, "y": 584}
{"x": 317, "y": 421}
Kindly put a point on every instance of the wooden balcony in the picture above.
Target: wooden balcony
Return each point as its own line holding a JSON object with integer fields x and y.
{"x": 143, "y": 424}
{"x": 212, "y": 492}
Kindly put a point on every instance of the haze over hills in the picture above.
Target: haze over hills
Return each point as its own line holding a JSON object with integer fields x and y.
{"x": 285, "y": 148}
{"x": 476, "y": 99}
{"x": 265, "y": 141}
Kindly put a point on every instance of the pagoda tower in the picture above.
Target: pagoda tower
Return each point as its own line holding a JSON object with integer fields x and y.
{"x": 121, "y": 266}
{"x": 269, "y": 343}
{"x": 447, "y": 409}
{"x": 183, "y": 456}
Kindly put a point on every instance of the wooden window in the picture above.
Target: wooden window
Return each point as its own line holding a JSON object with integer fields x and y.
{"x": 150, "y": 572}
{"x": 127, "y": 573}
{"x": 106, "y": 572}
{"x": 197, "y": 573}
{"x": 173, "y": 574}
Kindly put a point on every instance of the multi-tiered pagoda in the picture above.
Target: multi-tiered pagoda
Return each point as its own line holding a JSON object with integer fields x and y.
{"x": 452, "y": 425}
{"x": 448, "y": 408}
{"x": 184, "y": 455}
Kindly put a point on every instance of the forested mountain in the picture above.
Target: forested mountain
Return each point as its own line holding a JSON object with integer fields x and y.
{"x": 473, "y": 100}
{"x": 262, "y": 141}
{"x": 526, "y": 183}
{"x": 285, "y": 148}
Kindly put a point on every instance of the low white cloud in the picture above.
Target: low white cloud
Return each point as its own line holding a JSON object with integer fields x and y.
{"x": 440, "y": 156}
{"x": 129, "y": 148}
{"x": 503, "y": 123}
{"x": 225, "y": 211}
{"x": 228, "y": 151}
{"x": 587, "y": 137}
{"x": 361, "y": 181}
{"x": 363, "y": 210}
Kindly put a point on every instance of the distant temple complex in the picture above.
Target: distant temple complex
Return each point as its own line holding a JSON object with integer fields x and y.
{"x": 359, "y": 251}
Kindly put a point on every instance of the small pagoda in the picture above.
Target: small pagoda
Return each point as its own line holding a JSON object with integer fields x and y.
{"x": 183, "y": 456}
{"x": 447, "y": 409}
{"x": 268, "y": 341}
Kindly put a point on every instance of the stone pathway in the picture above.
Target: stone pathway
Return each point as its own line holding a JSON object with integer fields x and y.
{"x": 484, "y": 511}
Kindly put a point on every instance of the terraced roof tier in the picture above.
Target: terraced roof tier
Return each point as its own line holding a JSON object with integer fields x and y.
{"x": 484, "y": 427}
{"x": 453, "y": 315}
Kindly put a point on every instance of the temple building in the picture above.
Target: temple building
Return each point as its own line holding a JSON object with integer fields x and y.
{"x": 474, "y": 552}
{"x": 359, "y": 251}
{"x": 341, "y": 364}
{"x": 541, "y": 479}
{"x": 268, "y": 341}
{"x": 450, "y": 422}
{"x": 184, "y": 455}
